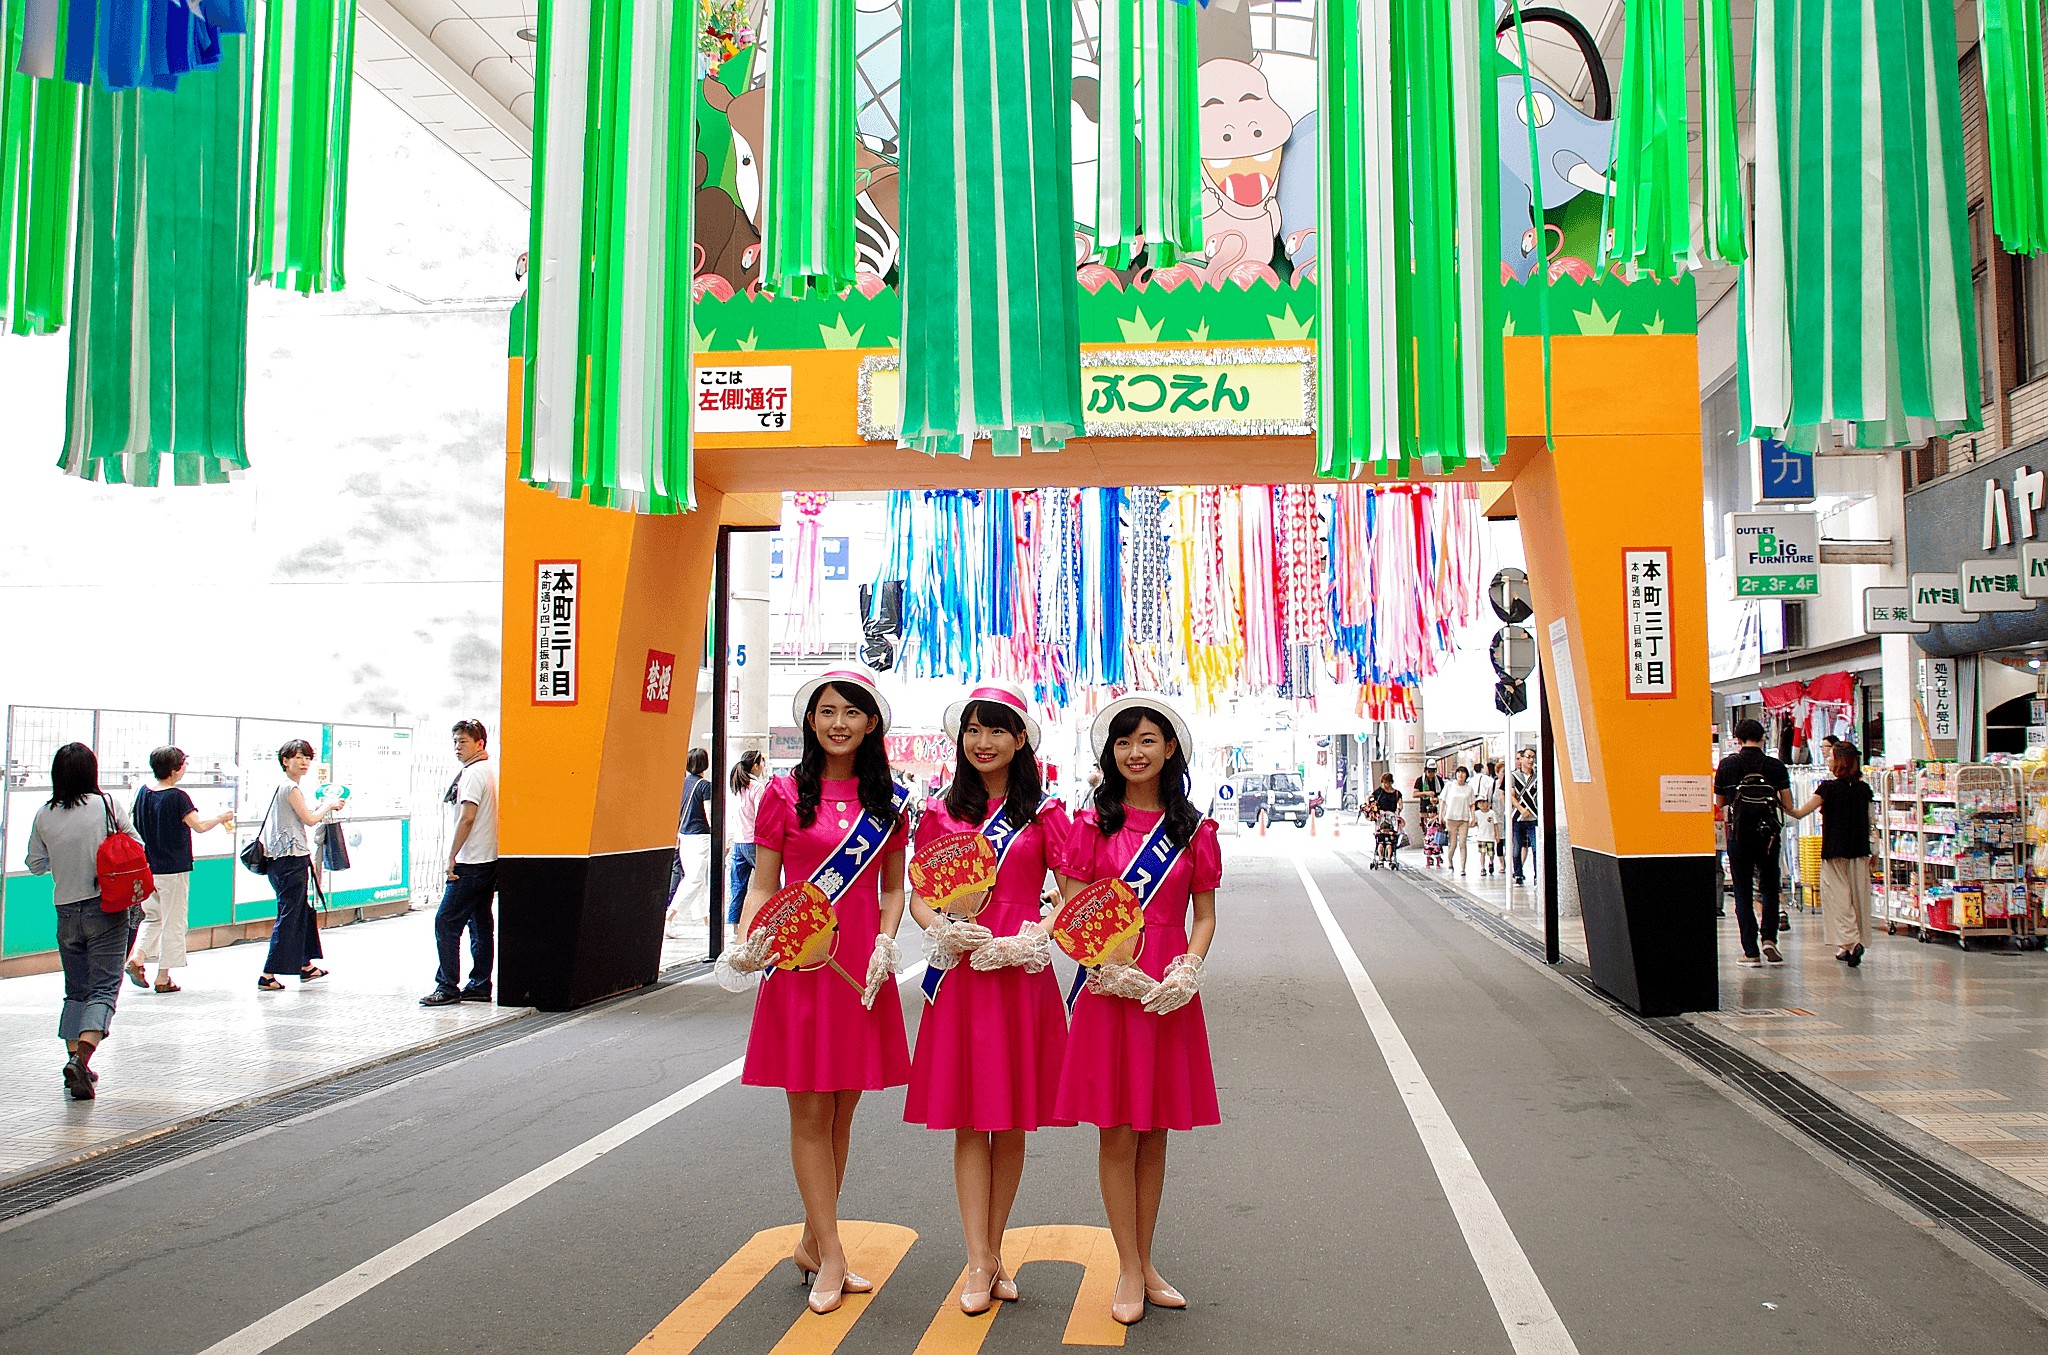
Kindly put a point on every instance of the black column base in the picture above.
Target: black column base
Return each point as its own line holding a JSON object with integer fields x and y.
{"x": 1650, "y": 930}
{"x": 575, "y": 929}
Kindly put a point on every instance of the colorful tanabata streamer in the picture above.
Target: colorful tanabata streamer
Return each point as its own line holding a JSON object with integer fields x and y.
{"x": 1650, "y": 214}
{"x": 608, "y": 387}
{"x": 38, "y": 187}
{"x": 991, "y": 327}
{"x": 804, "y": 631}
{"x": 159, "y": 354}
{"x": 302, "y": 144}
{"x": 1725, "y": 222}
{"x": 2017, "y": 112}
{"x": 1856, "y": 302}
{"x": 807, "y": 191}
{"x": 127, "y": 44}
{"x": 1410, "y": 356}
{"x": 1149, "y": 188}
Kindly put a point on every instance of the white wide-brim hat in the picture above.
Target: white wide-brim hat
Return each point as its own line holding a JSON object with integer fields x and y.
{"x": 842, "y": 677}
{"x": 996, "y": 693}
{"x": 1098, "y": 734}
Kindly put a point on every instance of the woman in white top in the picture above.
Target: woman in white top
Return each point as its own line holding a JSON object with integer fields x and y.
{"x": 749, "y": 780}
{"x": 1454, "y": 803}
{"x": 295, "y": 939}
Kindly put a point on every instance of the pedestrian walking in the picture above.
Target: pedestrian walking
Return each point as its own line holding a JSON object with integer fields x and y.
{"x": 689, "y": 881}
{"x": 1137, "y": 1063}
{"x": 1428, "y": 787}
{"x": 1755, "y": 792}
{"x": 1486, "y": 831}
{"x": 295, "y": 937}
{"x": 166, "y": 819}
{"x": 64, "y": 843}
{"x": 836, "y": 821}
{"x": 1522, "y": 802}
{"x": 990, "y": 1043}
{"x": 1844, "y": 802}
{"x": 749, "y": 781}
{"x": 1455, "y": 803}
{"x": 472, "y": 874}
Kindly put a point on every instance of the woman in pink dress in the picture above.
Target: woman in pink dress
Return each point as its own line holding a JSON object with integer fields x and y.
{"x": 814, "y": 1036}
{"x": 1137, "y": 1061}
{"x": 990, "y": 1041}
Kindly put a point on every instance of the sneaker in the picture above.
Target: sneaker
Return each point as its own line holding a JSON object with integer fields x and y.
{"x": 1750, "y": 962}
{"x": 1771, "y": 955}
{"x": 441, "y": 997}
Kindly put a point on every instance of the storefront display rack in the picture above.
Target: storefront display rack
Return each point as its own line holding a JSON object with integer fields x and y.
{"x": 1799, "y": 846}
{"x": 1955, "y": 849}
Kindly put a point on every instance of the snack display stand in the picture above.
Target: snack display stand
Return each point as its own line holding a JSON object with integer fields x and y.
{"x": 1955, "y": 852}
{"x": 1799, "y": 846}
{"x": 1901, "y": 870}
{"x": 2034, "y": 788}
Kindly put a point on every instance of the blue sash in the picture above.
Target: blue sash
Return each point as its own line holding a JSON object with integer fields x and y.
{"x": 1147, "y": 871}
{"x": 1002, "y": 835}
{"x": 858, "y": 850}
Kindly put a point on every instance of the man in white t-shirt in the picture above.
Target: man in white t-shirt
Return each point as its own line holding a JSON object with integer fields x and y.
{"x": 472, "y": 875}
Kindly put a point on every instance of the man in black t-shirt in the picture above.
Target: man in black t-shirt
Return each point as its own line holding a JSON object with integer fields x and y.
{"x": 1755, "y": 792}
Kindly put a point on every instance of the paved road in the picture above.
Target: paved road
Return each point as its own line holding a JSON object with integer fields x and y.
{"x": 1538, "y": 1179}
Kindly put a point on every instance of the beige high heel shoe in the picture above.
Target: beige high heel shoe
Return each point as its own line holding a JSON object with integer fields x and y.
{"x": 1005, "y": 1287}
{"x": 977, "y": 1299}
{"x": 1129, "y": 1313}
{"x": 1164, "y": 1295}
{"x": 806, "y": 1267}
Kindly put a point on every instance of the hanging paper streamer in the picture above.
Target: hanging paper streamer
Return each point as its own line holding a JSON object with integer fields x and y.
{"x": 1856, "y": 302}
{"x": 991, "y": 329}
{"x": 302, "y": 146}
{"x": 804, "y": 630}
{"x": 38, "y": 185}
{"x": 1725, "y": 238}
{"x": 807, "y": 192}
{"x": 1410, "y": 357}
{"x": 2017, "y": 113}
{"x": 1149, "y": 185}
{"x": 127, "y": 44}
{"x": 160, "y": 294}
{"x": 608, "y": 384}
{"x": 1650, "y": 214}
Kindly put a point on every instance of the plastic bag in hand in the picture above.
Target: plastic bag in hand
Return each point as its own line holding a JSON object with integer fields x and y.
{"x": 882, "y": 962}
{"x": 1170, "y": 994}
{"x": 946, "y": 940}
{"x": 1029, "y": 950}
{"x": 1121, "y": 980}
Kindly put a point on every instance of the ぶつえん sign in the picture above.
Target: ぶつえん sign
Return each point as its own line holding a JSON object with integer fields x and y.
{"x": 1889, "y": 611}
{"x": 557, "y": 590}
{"x": 1775, "y": 554}
{"x": 742, "y": 399}
{"x": 1647, "y": 581}
{"x": 656, "y": 679}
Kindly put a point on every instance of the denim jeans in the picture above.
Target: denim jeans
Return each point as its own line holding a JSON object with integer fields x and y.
{"x": 740, "y": 875}
{"x": 93, "y": 945}
{"x": 467, "y": 903}
{"x": 1755, "y": 868}
{"x": 295, "y": 939}
{"x": 1525, "y": 845}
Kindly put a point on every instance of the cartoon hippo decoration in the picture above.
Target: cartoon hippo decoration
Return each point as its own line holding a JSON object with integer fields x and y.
{"x": 1242, "y": 135}
{"x": 1574, "y": 155}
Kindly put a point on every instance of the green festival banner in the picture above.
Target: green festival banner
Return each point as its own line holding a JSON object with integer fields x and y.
{"x": 1149, "y": 152}
{"x": 301, "y": 198}
{"x": 807, "y": 189}
{"x": 38, "y": 164}
{"x": 2017, "y": 113}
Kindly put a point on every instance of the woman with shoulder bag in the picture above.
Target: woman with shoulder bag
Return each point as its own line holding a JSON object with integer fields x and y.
{"x": 295, "y": 939}
{"x": 64, "y": 843}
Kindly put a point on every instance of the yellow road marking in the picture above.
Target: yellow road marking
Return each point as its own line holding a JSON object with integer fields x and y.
{"x": 953, "y": 1332}
{"x": 872, "y": 1249}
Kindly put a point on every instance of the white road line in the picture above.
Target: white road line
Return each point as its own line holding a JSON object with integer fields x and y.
{"x": 272, "y": 1329}
{"x": 1532, "y": 1323}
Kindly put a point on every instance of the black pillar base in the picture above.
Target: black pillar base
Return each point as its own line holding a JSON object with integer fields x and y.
{"x": 1650, "y": 929}
{"x": 575, "y": 929}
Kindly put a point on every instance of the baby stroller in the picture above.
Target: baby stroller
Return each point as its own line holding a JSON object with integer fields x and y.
{"x": 1435, "y": 837}
{"x": 1386, "y": 839}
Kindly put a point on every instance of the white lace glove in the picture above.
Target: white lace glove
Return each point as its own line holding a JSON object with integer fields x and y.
{"x": 740, "y": 964}
{"x": 1121, "y": 980}
{"x": 881, "y": 964}
{"x": 946, "y": 940}
{"x": 1029, "y": 950}
{"x": 1173, "y": 992}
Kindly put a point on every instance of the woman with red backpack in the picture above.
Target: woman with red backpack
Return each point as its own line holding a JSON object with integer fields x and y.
{"x": 96, "y": 917}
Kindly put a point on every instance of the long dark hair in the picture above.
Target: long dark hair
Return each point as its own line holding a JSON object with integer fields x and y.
{"x": 743, "y": 770}
{"x": 1182, "y": 818}
{"x": 870, "y": 761}
{"x": 967, "y": 797}
{"x": 74, "y": 776}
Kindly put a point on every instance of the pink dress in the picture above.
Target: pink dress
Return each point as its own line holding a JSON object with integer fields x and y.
{"x": 810, "y": 1032}
{"x": 989, "y": 1045}
{"x": 1125, "y": 1066}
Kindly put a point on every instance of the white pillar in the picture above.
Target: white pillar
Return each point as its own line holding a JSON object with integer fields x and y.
{"x": 1404, "y": 760}
{"x": 749, "y": 652}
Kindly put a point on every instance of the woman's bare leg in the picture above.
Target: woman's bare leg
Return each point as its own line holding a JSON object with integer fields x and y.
{"x": 1151, "y": 1184}
{"x": 812, "y": 1154}
{"x": 1118, "y": 1170}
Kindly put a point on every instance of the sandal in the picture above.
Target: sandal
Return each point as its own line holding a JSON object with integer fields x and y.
{"x": 308, "y": 975}
{"x": 136, "y": 974}
{"x": 167, "y": 986}
{"x": 269, "y": 984}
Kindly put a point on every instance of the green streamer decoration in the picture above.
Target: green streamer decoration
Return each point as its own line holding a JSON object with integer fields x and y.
{"x": 2017, "y": 112}
{"x": 1724, "y": 238}
{"x": 38, "y": 168}
{"x": 1650, "y": 214}
{"x": 609, "y": 374}
{"x": 160, "y": 296}
{"x": 1149, "y": 190}
{"x": 991, "y": 327}
{"x": 807, "y": 192}
{"x": 1856, "y": 303}
{"x": 307, "y": 57}
{"x": 1409, "y": 349}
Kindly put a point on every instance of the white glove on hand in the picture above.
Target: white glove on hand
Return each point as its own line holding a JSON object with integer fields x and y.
{"x": 739, "y": 965}
{"x": 946, "y": 940}
{"x": 1030, "y": 950}
{"x": 1121, "y": 980}
{"x": 1173, "y": 992}
{"x": 881, "y": 964}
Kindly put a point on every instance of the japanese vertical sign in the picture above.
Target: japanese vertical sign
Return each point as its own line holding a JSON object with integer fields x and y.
{"x": 656, "y": 680}
{"x": 557, "y": 591}
{"x": 1938, "y": 696}
{"x": 1647, "y": 577}
{"x": 1568, "y": 701}
{"x": 742, "y": 399}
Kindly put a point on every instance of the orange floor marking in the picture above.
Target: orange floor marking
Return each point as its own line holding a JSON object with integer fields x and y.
{"x": 953, "y": 1332}
{"x": 872, "y": 1249}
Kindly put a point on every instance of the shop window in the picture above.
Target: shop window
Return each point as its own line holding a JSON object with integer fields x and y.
{"x": 1980, "y": 298}
{"x": 1724, "y": 454}
{"x": 2033, "y": 293}
{"x": 1795, "y": 625}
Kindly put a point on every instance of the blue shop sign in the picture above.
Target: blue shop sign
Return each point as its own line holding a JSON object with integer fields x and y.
{"x": 1782, "y": 474}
